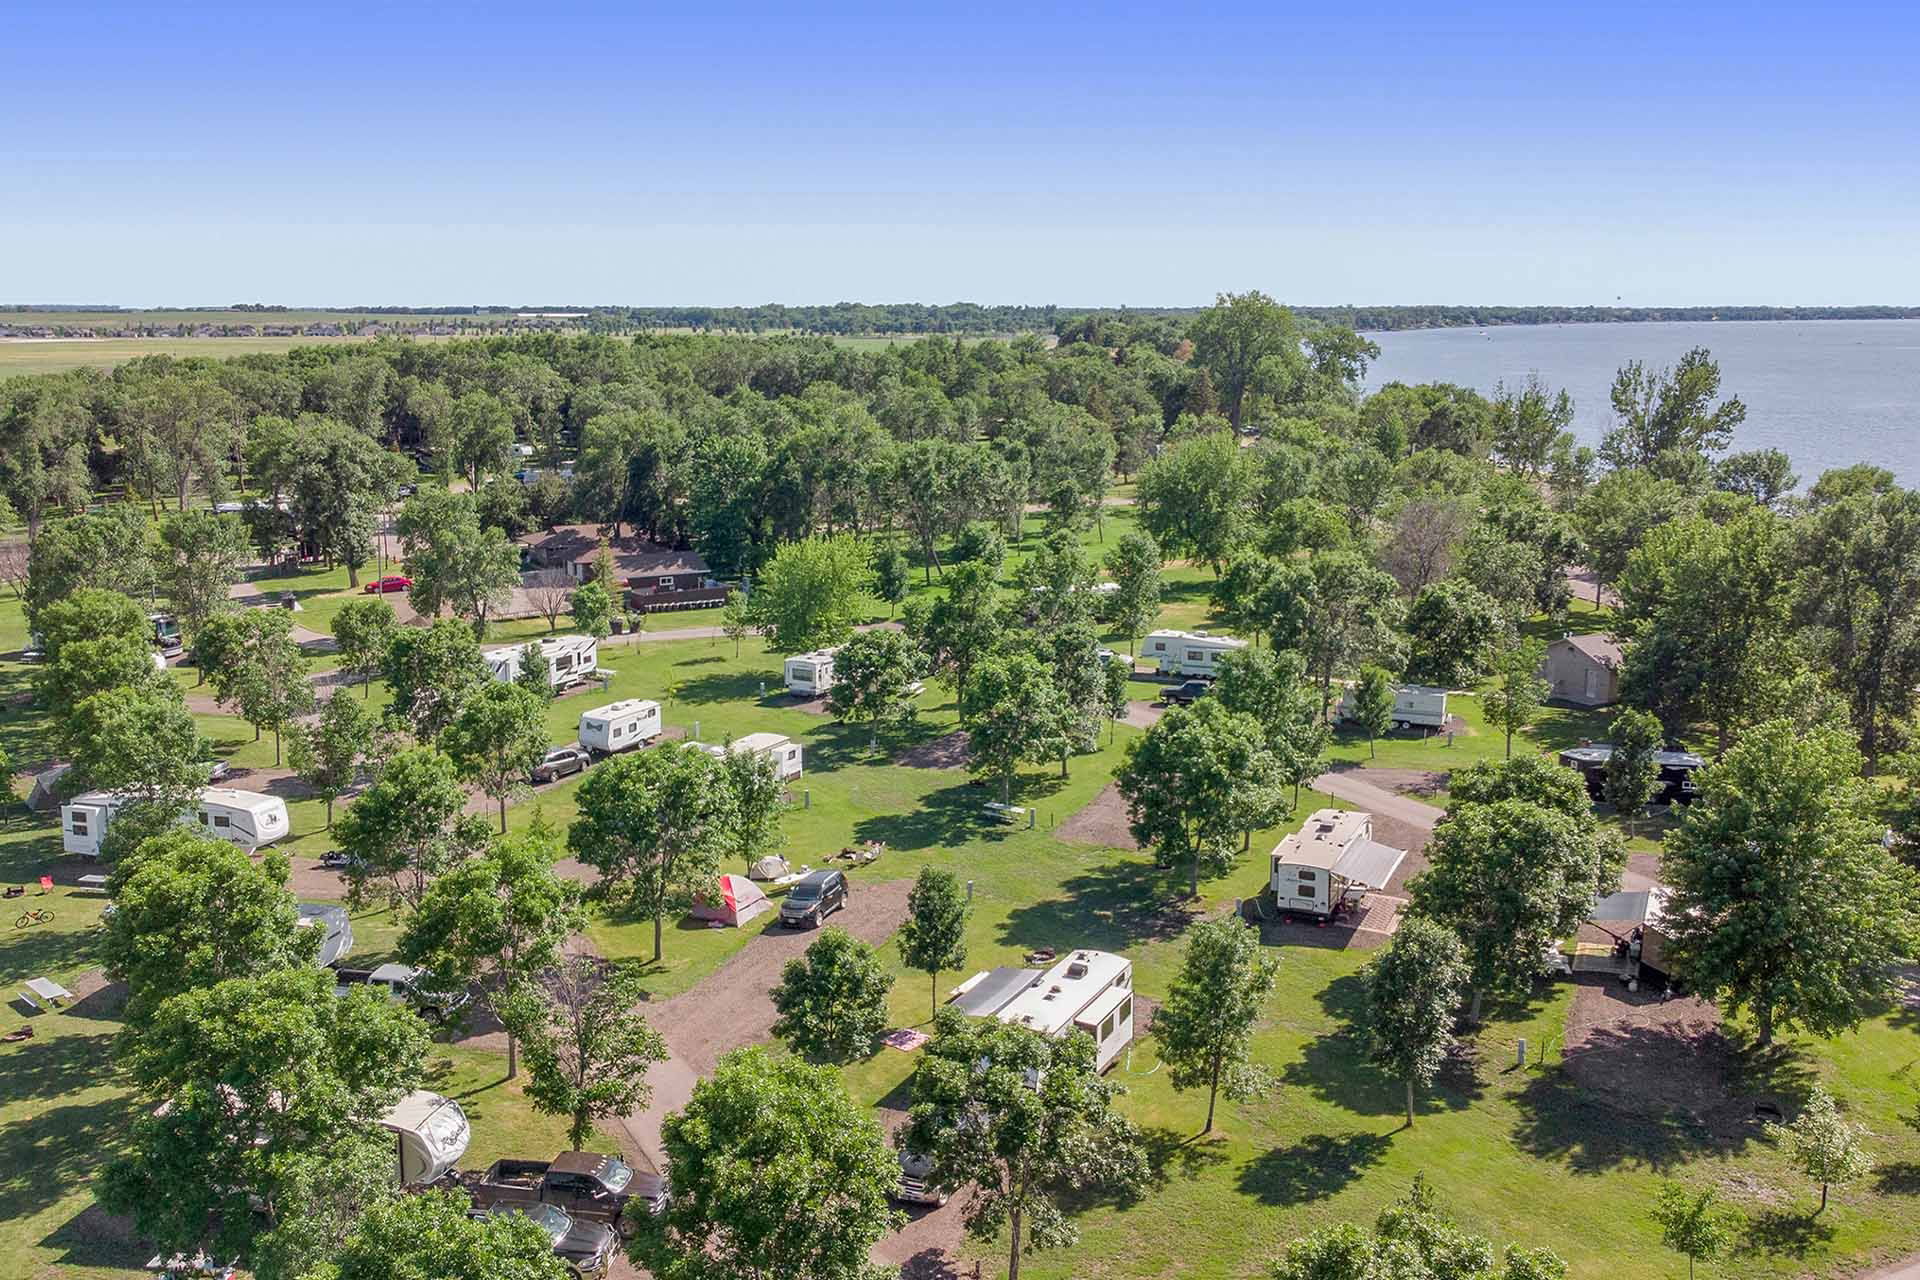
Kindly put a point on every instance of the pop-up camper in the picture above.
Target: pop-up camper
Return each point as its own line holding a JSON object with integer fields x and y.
{"x": 1090, "y": 991}
{"x": 782, "y": 750}
{"x": 246, "y": 819}
{"x": 620, "y": 726}
{"x": 570, "y": 660}
{"x": 1330, "y": 864}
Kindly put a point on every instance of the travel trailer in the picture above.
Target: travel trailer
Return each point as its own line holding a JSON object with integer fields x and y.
{"x": 430, "y": 1133}
{"x": 1413, "y": 704}
{"x": 1090, "y": 991}
{"x": 1187, "y": 653}
{"x": 620, "y": 726}
{"x": 245, "y": 819}
{"x": 1330, "y": 864}
{"x": 1675, "y": 784}
{"x": 810, "y": 674}
{"x": 782, "y": 750}
{"x": 570, "y": 660}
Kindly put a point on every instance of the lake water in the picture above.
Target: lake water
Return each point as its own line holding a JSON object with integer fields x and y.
{"x": 1829, "y": 393}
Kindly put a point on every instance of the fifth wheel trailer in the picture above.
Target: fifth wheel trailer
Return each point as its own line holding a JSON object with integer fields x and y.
{"x": 1413, "y": 704}
{"x": 1187, "y": 653}
{"x": 571, "y": 660}
{"x": 430, "y": 1133}
{"x": 1090, "y": 991}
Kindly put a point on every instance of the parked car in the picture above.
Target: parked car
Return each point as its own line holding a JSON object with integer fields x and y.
{"x": 335, "y": 860}
{"x": 1184, "y": 695}
{"x": 409, "y": 984}
{"x": 915, "y": 1185}
{"x": 217, "y": 771}
{"x": 813, "y": 898}
{"x": 560, "y": 762}
{"x": 406, "y": 490}
{"x": 589, "y": 1186}
{"x": 392, "y": 582}
{"x": 585, "y": 1246}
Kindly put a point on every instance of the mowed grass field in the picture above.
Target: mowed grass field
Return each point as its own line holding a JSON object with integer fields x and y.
{"x": 1528, "y": 1154}
{"x": 56, "y": 355}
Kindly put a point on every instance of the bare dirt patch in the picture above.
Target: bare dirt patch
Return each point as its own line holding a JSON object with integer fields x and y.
{"x": 948, "y": 751}
{"x": 1142, "y": 714}
{"x": 1406, "y": 782}
{"x": 1102, "y": 823}
{"x": 1647, "y": 1052}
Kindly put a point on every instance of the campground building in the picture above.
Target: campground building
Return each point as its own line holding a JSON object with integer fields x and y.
{"x": 651, "y": 577}
{"x": 1583, "y": 670}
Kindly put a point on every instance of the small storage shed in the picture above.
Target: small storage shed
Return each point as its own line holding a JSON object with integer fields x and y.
{"x": 1584, "y": 670}
{"x": 732, "y": 901}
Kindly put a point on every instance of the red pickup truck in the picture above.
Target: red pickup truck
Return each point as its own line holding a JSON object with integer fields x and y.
{"x": 588, "y": 1185}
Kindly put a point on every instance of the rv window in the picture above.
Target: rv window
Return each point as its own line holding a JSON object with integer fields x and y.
{"x": 221, "y": 820}
{"x": 1159, "y": 646}
{"x": 1306, "y": 876}
{"x": 1125, "y": 1013}
{"x": 79, "y": 824}
{"x": 1106, "y": 1028}
{"x": 616, "y": 730}
{"x": 1194, "y": 655}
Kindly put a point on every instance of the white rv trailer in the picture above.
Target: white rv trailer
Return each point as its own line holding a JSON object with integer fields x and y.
{"x": 1413, "y": 704}
{"x": 1090, "y": 991}
{"x": 1187, "y": 653}
{"x": 620, "y": 726}
{"x": 1330, "y": 863}
{"x": 777, "y": 747}
{"x": 245, "y": 819}
{"x": 431, "y": 1133}
{"x": 570, "y": 660}
{"x": 810, "y": 674}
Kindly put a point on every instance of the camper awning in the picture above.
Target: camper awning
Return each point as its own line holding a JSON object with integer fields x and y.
{"x": 1637, "y": 906}
{"x": 989, "y": 995}
{"x": 1369, "y": 862}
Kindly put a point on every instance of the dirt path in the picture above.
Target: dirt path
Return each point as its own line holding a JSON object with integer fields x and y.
{"x": 1377, "y": 800}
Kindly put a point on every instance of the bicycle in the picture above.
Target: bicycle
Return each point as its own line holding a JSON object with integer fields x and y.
{"x": 33, "y": 917}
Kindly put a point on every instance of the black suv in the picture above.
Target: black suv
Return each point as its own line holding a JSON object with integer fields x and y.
{"x": 813, "y": 898}
{"x": 1184, "y": 695}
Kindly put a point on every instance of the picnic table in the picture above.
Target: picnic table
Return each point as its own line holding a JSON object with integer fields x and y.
{"x": 47, "y": 989}
{"x": 93, "y": 882}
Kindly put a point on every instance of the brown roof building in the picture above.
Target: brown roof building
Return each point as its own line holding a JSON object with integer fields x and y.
{"x": 637, "y": 562}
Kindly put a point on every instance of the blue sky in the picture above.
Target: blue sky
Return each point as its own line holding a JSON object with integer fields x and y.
{"x": 562, "y": 153}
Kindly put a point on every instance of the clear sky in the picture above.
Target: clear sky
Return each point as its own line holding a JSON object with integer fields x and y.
{"x": 556, "y": 153}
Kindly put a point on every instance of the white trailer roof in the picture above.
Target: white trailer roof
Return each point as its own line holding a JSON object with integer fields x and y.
{"x": 251, "y": 801}
{"x": 1199, "y": 637}
{"x": 1050, "y": 1005}
{"x": 624, "y": 707}
{"x": 759, "y": 741}
{"x": 1323, "y": 839}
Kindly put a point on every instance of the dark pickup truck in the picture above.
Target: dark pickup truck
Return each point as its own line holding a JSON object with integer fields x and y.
{"x": 586, "y": 1184}
{"x": 584, "y": 1246}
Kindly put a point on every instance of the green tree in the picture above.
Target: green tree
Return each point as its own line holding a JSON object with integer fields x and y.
{"x": 1510, "y": 878}
{"x": 94, "y": 641}
{"x": 1270, "y": 685}
{"x": 1205, "y": 1025}
{"x": 874, "y": 675}
{"x": 1247, "y": 342}
{"x": 362, "y": 632}
{"x": 329, "y": 755}
{"x": 832, "y": 1000}
{"x": 775, "y": 1172}
{"x": 654, "y": 824}
{"x": 1339, "y": 612}
{"x": 1693, "y": 1224}
{"x": 319, "y": 1197}
{"x": 1451, "y": 627}
{"x": 481, "y": 428}
{"x": 110, "y": 551}
{"x": 407, "y": 828}
{"x": 1013, "y": 713}
{"x": 1632, "y": 770}
{"x": 934, "y": 934}
{"x": 201, "y": 556}
{"x": 190, "y": 912}
{"x": 1704, "y": 605}
{"x": 759, "y": 799}
{"x": 890, "y": 570}
{"x": 453, "y": 560}
{"x": 1197, "y": 780}
{"x": 499, "y": 735}
{"x": 437, "y": 1234}
{"x": 1669, "y": 409}
{"x": 532, "y": 672}
{"x": 593, "y": 609}
{"x": 497, "y": 920}
{"x": 1373, "y": 705}
{"x": 235, "y": 1077}
{"x": 1824, "y": 1145}
{"x": 728, "y": 502}
{"x": 968, "y": 621}
{"x": 1512, "y": 706}
{"x": 588, "y": 1047}
{"x": 1755, "y": 922}
{"x": 1134, "y": 564}
{"x": 1618, "y": 513}
{"x": 1412, "y": 1239}
{"x": 139, "y": 740}
{"x": 46, "y": 431}
{"x": 431, "y": 672}
{"x": 1025, "y": 1122}
{"x": 811, "y": 592}
{"x": 262, "y": 674}
{"x": 1413, "y": 993}
{"x": 736, "y": 619}
{"x": 1194, "y": 499}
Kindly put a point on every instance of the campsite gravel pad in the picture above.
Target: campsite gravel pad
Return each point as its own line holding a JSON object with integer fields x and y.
{"x": 1102, "y": 822}
{"x": 948, "y": 751}
{"x": 1649, "y": 1055}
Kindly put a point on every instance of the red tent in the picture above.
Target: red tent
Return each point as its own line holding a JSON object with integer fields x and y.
{"x": 733, "y": 900}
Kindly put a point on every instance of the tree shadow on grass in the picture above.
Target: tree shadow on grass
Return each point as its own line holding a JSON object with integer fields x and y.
{"x": 946, "y": 818}
{"x": 722, "y": 686}
{"x": 95, "y": 1238}
{"x": 1334, "y": 1066}
{"x": 1182, "y": 1155}
{"x": 50, "y": 1065}
{"x": 1901, "y": 1179}
{"x": 39, "y": 950}
{"x": 1562, "y": 1121}
{"x": 1313, "y": 1168}
{"x": 45, "y": 1155}
{"x": 1114, "y": 907}
{"x": 1784, "y": 1233}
